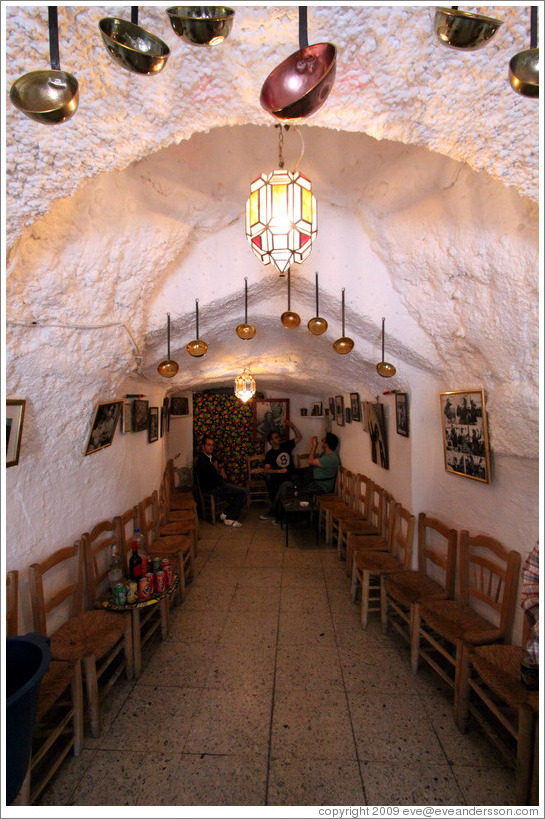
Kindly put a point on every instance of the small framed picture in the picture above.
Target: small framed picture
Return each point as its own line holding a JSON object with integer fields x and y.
{"x": 162, "y": 420}
{"x": 140, "y": 408}
{"x": 332, "y": 407}
{"x": 317, "y": 408}
{"x": 179, "y": 405}
{"x": 103, "y": 426}
{"x": 339, "y": 410}
{"x": 15, "y": 413}
{"x": 153, "y": 424}
{"x": 355, "y": 406}
{"x": 402, "y": 414}
{"x": 465, "y": 434}
{"x": 126, "y": 417}
{"x": 348, "y": 415}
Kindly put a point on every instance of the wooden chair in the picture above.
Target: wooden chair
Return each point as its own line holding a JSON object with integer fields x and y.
{"x": 447, "y": 630}
{"x": 179, "y": 521}
{"x": 366, "y": 518}
{"x": 96, "y": 638}
{"x": 324, "y": 500}
{"x": 506, "y": 711}
{"x": 434, "y": 577}
{"x": 96, "y": 546}
{"x": 58, "y": 727}
{"x": 257, "y": 486}
{"x": 344, "y": 502}
{"x": 210, "y": 507}
{"x": 383, "y": 543}
{"x": 178, "y": 548}
{"x": 369, "y": 565}
{"x": 175, "y": 498}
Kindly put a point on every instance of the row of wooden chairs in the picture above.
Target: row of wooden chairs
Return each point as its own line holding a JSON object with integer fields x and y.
{"x": 455, "y": 609}
{"x": 90, "y": 644}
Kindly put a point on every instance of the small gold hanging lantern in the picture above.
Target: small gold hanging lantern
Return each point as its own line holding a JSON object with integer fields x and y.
{"x": 244, "y": 386}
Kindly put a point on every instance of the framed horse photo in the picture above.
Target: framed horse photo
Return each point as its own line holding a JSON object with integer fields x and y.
{"x": 465, "y": 434}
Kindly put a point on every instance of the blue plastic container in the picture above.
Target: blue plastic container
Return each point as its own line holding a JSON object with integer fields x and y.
{"x": 27, "y": 660}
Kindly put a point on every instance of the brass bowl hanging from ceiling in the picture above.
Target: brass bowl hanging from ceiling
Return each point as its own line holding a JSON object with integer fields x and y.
{"x": 132, "y": 47}
{"x": 300, "y": 85}
{"x": 201, "y": 25}
{"x": 46, "y": 96}
{"x": 464, "y": 30}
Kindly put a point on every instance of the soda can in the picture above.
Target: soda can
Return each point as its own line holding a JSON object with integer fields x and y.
{"x": 120, "y": 595}
{"x": 132, "y": 591}
{"x": 151, "y": 578}
{"x": 144, "y": 588}
{"x": 529, "y": 673}
{"x": 165, "y": 562}
{"x": 160, "y": 582}
{"x": 157, "y": 564}
{"x": 169, "y": 575}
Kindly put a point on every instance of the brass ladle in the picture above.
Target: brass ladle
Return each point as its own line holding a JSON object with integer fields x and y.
{"x": 343, "y": 345}
{"x": 245, "y": 331}
{"x": 524, "y": 66}
{"x": 317, "y": 325}
{"x": 290, "y": 319}
{"x": 385, "y": 369}
{"x": 464, "y": 30}
{"x": 169, "y": 367}
{"x": 131, "y": 46}
{"x": 202, "y": 25}
{"x": 47, "y": 96}
{"x": 197, "y": 347}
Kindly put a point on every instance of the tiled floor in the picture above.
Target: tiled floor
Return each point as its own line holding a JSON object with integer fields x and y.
{"x": 268, "y": 692}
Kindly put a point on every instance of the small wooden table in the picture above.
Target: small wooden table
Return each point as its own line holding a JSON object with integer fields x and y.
{"x": 291, "y": 507}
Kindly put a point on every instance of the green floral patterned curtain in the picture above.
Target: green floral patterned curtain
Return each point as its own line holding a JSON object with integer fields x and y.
{"x": 230, "y": 423}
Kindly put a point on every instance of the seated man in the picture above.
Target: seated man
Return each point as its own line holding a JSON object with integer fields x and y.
{"x": 279, "y": 464}
{"x": 212, "y": 478}
{"x": 322, "y": 471}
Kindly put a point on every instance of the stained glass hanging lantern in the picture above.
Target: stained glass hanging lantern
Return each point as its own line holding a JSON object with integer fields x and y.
{"x": 245, "y": 386}
{"x": 281, "y": 215}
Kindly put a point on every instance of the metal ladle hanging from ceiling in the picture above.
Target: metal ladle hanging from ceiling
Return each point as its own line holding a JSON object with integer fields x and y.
{"x": 47, "y": 96}
{"x": 201, "y": 25}
{"x": 197, "y": 347}
{"x": 344, "y": 344}
{"x": 317, "y": 325}
{"x": 169, "y": 367}
{"x": 300, "y": 85}
{"x": 290, "y": 319}
{"x": 385, "y": 369}
{"x": 524, "y": 66}
{"x": 131, "y": 46}
{"x": 245, "y": 331}
{"x": 464, "y": 30}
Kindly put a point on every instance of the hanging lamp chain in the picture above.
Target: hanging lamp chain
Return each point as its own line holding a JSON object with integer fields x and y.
{"x": 280, "y": 145}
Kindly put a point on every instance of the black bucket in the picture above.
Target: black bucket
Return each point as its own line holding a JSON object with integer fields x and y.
{"x": 27, "y": 660}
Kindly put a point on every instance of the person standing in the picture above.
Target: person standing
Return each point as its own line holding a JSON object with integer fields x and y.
{"x": 212, "y": 478}
{"x": 279, "y": 465}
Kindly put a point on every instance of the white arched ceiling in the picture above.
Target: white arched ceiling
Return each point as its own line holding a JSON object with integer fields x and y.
{"x": 424, "y": 163}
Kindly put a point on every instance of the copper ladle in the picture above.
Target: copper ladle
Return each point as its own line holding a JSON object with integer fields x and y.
{"x": 344, "y": 344}
{"x": 300, "y": 85}
{"x": 47, "y": 96}
{"x": 290, "y": 319}
{"x": 524, "y": 66}
{"x": 169, "y": 367}
{"x": 385, "y": 369}
{"x": 245, "y": 331}
{"x": 317, "y": 325}
{"x": 197, "y": 347}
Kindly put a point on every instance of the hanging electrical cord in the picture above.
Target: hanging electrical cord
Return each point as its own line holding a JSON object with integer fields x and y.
{"x": 137, "y": 355}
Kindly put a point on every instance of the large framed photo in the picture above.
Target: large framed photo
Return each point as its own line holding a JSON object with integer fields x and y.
{"x": 15, "y": 413}
{"x": 179, "y": 405}
{"x": 270, "y": 415}
{"x": 355, "y": 406}
{"x": 465, "y": 434}
{"x": 103, "y": 426}
{"x": 339, "y": 410}
{"x": 153, "y": 424}
{"x": 402, "y": 414}
{"x": 377, "y": 431}
{"x": 139, "y": 414}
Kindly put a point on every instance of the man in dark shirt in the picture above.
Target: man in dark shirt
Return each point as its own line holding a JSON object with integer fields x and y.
{"x": 279, "y": 465}
{"x": 212, "y": 478}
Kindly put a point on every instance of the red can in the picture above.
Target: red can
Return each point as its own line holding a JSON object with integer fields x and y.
{"x": 165, "y": 562}
{"x": 151, "y": 579}
{"x": 144, "y": 588}
{"x": 160, "y": 582}
{"x": 169, "y": 575}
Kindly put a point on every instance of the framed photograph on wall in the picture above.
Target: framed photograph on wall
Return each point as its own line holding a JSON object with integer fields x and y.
{"x": 355, "y": 406}
{"x": 179, "y": 405}
{"x": 153, "y": 424}
{"x": 103, "y": 426}
{"x": 270, "y": 414}
{"x": 402, "y": 414}
{"x": 15, "y": 413}
{"x": 332, "y": 408}
{"x": 365, "y": 415}
{"x": 317, "y": 408}
{"x": 465, "y": 434}
{"x": 126, "y": 417}
{"x": 339, "y": 410}
{"x": 139, "y": 414}
{"x": 377, "y": 431}
{"x": 348, "y": 415}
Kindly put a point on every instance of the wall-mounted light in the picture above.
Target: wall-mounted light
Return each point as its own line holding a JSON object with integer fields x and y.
{"x": 244, "y": 386}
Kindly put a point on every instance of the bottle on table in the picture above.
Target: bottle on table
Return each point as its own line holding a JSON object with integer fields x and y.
{"x": 136, "y": 568}
{"x": 115, "y": 569}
